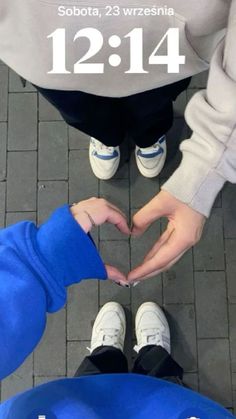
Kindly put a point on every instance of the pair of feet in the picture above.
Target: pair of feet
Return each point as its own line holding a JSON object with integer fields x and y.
{"x": 151, "y": 327}
{"x": 105, "y": 160}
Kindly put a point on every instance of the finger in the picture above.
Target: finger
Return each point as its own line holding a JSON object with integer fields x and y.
{"x": 115, "y": 275}
{"x": 119, "y": 220}
{"x": 173, "y": 248}
{"x": 117, "y": 209}
{"x": 146, "y": 216}
{"x": 164, "y": 237}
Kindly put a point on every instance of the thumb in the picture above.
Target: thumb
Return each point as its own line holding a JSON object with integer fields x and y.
{"x": 147, "y": 215}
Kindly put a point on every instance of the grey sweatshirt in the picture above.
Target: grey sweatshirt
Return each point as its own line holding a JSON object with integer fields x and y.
{"x": 207, "y": 33}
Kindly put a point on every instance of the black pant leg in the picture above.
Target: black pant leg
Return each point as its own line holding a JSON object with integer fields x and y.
{"x": 149, "y": 115}
{"x": 97, "y": 116}
{"x": 103, "y": 360}
{"x": 155, "y": 361}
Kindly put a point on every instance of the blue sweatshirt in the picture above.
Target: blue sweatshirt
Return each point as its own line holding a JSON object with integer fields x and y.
{"x": 36, "y": 266}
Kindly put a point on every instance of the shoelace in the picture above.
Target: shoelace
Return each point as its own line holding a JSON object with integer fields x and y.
{"x": 150, "y": 337}
{"x": 100, "y": 146}
{"x": 149, "y": 150}
{"x": 107, "y": 337}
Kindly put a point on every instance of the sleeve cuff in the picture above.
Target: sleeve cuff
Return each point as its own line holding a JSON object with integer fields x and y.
{"x": 70, "y": 253}
{"x": 191, "y": 184}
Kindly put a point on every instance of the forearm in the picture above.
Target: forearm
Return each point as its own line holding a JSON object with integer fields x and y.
{"x": 209, "y": 156}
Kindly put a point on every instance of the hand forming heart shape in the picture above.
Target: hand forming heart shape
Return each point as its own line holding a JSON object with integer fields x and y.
{"x": 184, "y": 229}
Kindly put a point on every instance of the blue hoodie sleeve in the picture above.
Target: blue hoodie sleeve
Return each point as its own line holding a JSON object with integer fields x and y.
{"x": 36, "y": 266}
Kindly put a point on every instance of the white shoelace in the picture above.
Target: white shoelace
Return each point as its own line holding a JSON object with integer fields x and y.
{"x": 107, "y": 337}
{"x": 149, "y": 150}
{"x": 102, "y": 147}
{"x": 150, "y": 337}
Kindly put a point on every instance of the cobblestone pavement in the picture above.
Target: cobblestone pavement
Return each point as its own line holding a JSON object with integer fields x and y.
{"x": 43, "y": 164}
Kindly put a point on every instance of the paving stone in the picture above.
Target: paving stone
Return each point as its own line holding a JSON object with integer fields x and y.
{"x": 199, "y": 80}
{"x": 22, "y": 131}
{"x": 234, "y": 381}
{"x": 141, "y": 189}
{"x": 54, "y": 342}
{"x": 211, "y": 305}
{"x": 209, "y": 252}
{"x": 177, "y": 291}
{"x": 21, "y": 181}
{"x": 82, "y": 182}
{"x": 51, "y": 195}
{"x": 16, "y": 86}
{"x": 115, "y": 253}
{"x": 175, "y": 136}
{"x": 53, "y": 151}
{"x": 141, "y": 245}
{"x": 125, "y": 153}
{"x": 19, "y": 381}
{"x": 3, "y": 150}
{"x": 214, "y": 362}
{"x": 232, "y": 337}
{"x": 180, "y": 104}
{"x": 16, "y": 217}
{"x": 228, "y": 205}
{"x": 82, "y": 309}
{"x": 230, "y": 252}
{"x": 38, "y": 381}
{"x": 3, "y": 93}
{"x": 48, "y": 112}
{"x": 148, "y": 290}
{"x": 76, "y": 352}
{"x": 2, "y": 203}
{"x": 77, "y": 139}
{"x": 181, "y": 318}
{"x": 178, "y": 281}
{"x": 128, "y": 345}
{"x": 116, "y": 192}
{"x": 190, "y": 379}
{"x": 190, "y": 93}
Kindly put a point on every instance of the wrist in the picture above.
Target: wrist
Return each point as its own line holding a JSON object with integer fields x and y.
{"x": 82, "y": 218}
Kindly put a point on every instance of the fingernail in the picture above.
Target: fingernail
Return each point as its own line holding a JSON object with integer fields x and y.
{"x": 123, "y": 285}
{"x": 136, "y": 283}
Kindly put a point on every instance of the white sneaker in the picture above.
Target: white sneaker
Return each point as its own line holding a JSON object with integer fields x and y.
{"x": 104, "y": 160}
{"x": 150, "y": 160}
{"x": 109, "y": 328}
{"x": 151, "y": 327}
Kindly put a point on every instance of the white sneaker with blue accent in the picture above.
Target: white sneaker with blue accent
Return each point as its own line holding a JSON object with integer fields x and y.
{"x": 104, "y": 160}
{"x": 150, "y": 160}
{"x": 109, "y": 327}
{"x": 151, "y": 327}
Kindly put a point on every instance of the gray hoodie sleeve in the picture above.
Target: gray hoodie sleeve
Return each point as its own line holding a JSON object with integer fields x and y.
{"x": 209, "y": 156}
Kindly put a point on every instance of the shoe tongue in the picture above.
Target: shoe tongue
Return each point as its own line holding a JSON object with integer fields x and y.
{"x": 150, "y": 150}
{"x": 153, "y": 336}
{"x": 110, "y": 330}
{"x": 152, "y": 339}
{"x": 102, "y": 147}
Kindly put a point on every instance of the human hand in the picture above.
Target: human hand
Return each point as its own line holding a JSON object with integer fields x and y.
{"x": 184, "y": 230}
{"x": 95, "y": 212}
